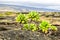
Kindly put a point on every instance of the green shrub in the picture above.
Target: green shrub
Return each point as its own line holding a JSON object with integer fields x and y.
{"x": 8, "y": 13}
{"x": 1, "y": 15}
{"x": 26, "y": 27}
{"x": 45, "y": 26}
{"x": 21, "y": 18}
{"x": 33, "y": 15}
{"x": 31, "y": 27}
{"x": 54, "y": 28}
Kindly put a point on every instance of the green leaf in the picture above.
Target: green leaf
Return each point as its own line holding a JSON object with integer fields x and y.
{"x": 21, "y": 18}
{"x": 33, "y": 15}
{"x": 44, "y": 26}
{"x": 54, "y": 28}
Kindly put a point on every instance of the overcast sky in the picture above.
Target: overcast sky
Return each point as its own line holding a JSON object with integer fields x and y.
{"x": 35, "y": 1}
{"x": 54, "y": 4}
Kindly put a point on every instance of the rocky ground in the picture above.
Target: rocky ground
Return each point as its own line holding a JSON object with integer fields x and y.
{"x": 27, "y": 35}
{"x": 12, "y": 31}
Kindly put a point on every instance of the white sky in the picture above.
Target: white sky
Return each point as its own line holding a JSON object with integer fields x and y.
{"x": 47, "y": 2}
{"x": 36, "y": 1}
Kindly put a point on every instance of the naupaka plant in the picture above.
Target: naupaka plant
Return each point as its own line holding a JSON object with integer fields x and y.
{"x": 8, "y": 13}
{"x": 54, "y": 28}
{"x": 33, "y": 15}
{"x": 21, "y": 18}
{"x": 26, "y": 27}
{"x": 31, "y": 27}
{"x": 44, "y": 26}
